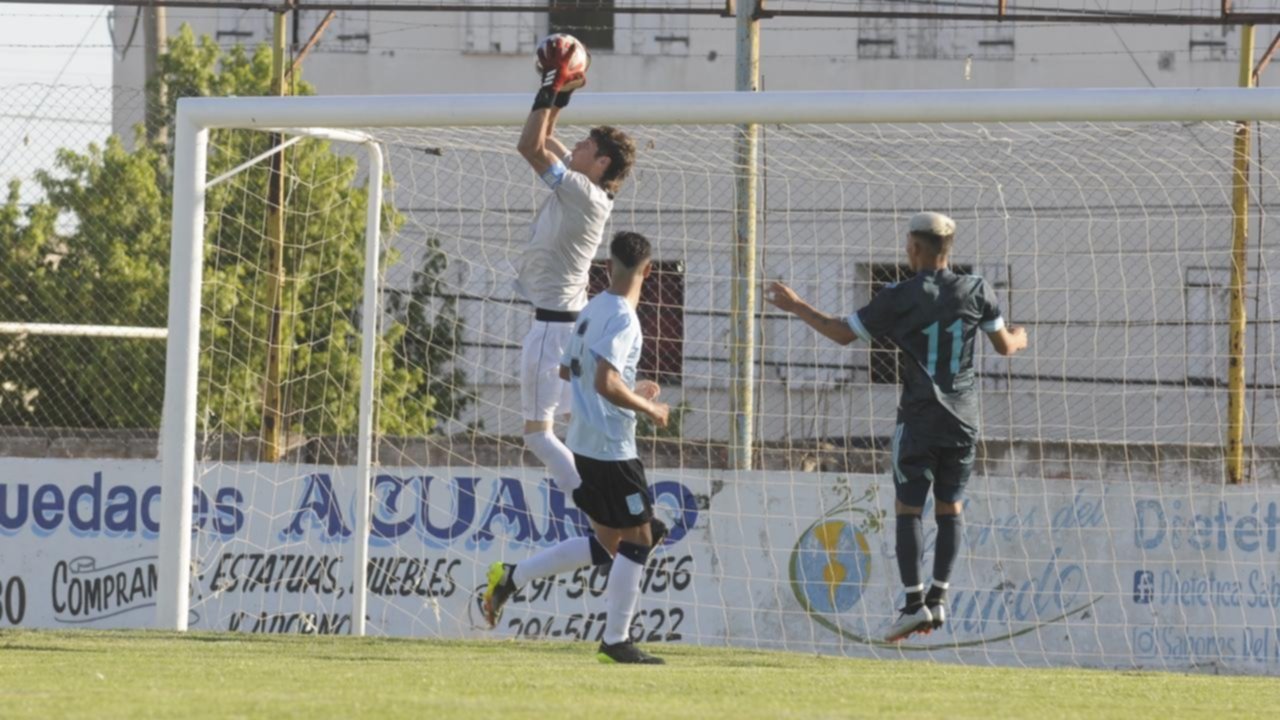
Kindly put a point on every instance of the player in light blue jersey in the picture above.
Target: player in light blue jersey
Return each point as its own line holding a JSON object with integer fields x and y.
{"x": 600, "y": 365}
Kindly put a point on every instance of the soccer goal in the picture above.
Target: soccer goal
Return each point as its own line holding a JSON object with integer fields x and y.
{"x": 341, "y": 438}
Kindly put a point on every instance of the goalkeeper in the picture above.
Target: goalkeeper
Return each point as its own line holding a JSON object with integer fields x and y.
{"x": 567, "y": 231}
{"x": 934, "y": 319}
{"x": 552, "y": 275}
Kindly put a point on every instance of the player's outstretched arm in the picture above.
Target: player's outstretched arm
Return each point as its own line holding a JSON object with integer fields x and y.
{"x": 558, "y": 77}
{"x": 554, "y": 145}
{"x": 533, "y": 144}
{"x": 787, "y": 300}
{"x": 610, "y": 386}
{"x": 1008, "y": 340}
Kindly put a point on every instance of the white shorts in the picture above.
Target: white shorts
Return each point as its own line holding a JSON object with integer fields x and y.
{"x": 543, "y": 395}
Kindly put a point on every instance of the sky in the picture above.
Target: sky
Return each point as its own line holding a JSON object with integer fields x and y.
{"x": 55, "y": 75}
{"x": 48, "y": 43}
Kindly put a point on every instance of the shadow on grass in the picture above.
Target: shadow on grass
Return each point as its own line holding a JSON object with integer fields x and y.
{"x": 46, "y": 649}
{"x": 365, "y": 659}
{"x": 220, "y": 638}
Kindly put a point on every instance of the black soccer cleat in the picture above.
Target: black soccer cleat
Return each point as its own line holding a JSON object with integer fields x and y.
{"x": 626, "y": 653}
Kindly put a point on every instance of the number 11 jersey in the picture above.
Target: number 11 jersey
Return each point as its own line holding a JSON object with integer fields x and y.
{"x": 934, "y": 319}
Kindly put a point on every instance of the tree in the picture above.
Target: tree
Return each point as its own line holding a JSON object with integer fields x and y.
{"x": 433, "y": 334}
{"x": 95, "y": 250}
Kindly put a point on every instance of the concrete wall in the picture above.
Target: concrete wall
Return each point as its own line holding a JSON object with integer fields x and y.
{"x": 1052, "y": 461}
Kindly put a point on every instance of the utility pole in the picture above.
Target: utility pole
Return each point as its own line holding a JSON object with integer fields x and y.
{"x": 1239, "y": 268}
{"x": 154, "y": 29}
{"x": 283, "y": 75}
{"x": 273, "y": 404}
{"x": 742, "y": 341}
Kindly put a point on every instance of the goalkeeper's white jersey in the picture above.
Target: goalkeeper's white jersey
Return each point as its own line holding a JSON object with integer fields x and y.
{"x": 552, "y": 270}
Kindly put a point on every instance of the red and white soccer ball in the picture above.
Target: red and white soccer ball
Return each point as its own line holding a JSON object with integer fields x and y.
{"x": 565, "y": 46}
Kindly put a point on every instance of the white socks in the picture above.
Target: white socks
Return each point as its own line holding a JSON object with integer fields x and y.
{"x": 556, "y": 456}
{"x": 628, "y": 565}
{"x": 559, "y": 558}
{"x": 624, "y": 591}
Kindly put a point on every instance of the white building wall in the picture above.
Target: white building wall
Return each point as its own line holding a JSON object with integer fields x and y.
{"x": 456, "y": 52}
{"x": 448, "y": 52}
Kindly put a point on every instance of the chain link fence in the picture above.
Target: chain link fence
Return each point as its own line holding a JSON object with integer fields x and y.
{"x": 83, "y": 274}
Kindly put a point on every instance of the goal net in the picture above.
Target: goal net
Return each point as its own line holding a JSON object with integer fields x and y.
{"x": 1100, "y": 527}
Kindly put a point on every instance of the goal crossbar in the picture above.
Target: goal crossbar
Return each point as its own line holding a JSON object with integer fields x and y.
{"x": 898, "y": 106}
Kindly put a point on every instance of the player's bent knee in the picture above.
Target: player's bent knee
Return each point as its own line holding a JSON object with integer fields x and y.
{"x": 948, "y": 508}
{"x": 639, "y": 535}
{"x": 606, "y": 537}
{"x": 901, "y": 508}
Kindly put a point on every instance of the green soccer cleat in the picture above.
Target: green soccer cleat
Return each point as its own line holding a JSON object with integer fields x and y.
{"x": 626, "y": 653}
{"x": 499, "y": 591}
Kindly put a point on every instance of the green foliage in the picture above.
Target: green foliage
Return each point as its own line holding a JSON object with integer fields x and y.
{"x": 432, "y": 337}
{"x": 674, "y": 429}
{"x": 95, "y": 250}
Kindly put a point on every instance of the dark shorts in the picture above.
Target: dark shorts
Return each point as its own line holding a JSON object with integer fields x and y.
{"x": 917, "y": 466}
{"x": 613, "y": 493}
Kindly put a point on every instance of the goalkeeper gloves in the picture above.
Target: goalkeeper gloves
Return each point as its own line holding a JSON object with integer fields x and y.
{"x": 554, "y": 64}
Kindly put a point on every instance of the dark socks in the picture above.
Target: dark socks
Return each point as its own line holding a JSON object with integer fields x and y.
{"x": 910, "y": 541}
{"x": 950, "y": 530}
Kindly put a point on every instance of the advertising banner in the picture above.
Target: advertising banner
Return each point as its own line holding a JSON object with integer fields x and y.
{"x": 1052, "y": 572}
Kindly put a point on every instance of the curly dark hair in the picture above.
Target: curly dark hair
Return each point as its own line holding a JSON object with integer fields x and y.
{"x": 630, "y": 248}
{"x": 621, "y": 151}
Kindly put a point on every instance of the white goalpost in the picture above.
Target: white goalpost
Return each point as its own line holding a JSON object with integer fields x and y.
{"x": 1100, "y": 528}
{"x": 178, "y": 449}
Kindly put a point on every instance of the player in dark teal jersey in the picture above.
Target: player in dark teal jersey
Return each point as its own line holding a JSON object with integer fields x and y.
{"x": 934, "y": 319}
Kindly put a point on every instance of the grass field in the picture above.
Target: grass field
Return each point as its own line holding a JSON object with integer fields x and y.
{"x": 145, "y": 674}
